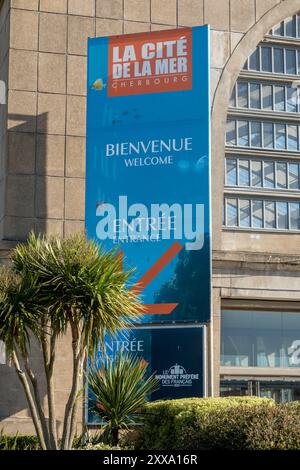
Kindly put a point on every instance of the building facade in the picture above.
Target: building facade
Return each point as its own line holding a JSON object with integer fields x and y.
{"x": 254, "y": 336}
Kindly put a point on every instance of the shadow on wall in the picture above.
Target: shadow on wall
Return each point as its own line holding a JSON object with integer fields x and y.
{"x": 25, "y": 209}
{"x": 26, "y": 181}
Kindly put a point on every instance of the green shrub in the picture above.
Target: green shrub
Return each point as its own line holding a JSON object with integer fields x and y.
{"x": 182, "y": 424}
{"x": 18, "y": 442}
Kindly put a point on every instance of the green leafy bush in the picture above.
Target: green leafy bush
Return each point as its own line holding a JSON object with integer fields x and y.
{"x": 199, "y": 423}
{"x": 18, "y": 442}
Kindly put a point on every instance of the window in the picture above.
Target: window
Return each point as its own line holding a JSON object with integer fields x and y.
{"x": 268, "y": 174}
{"x": 262, "y": 214}
{"x": 263, "y": 134}
{"x": 274, "y": 59}
{"x": 256, "y": 173}
{"x": 294, "y": 215}
{"x": 282, "y": 215}
{"x": 269, "y": 211}
{"x": 231, "y": 133}
{"x": 231, "y": 212}
{"x": 244, "y": 206}
{"x": 262, "y": 172}
{"x": 231, "y": 172}
{"x": 259, "y": 338}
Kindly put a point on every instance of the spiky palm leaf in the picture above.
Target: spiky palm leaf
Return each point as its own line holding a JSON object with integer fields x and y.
{"x": 120, "y": 387}
{"x": 19, "y": 311}
{"x": 80, "y": 279}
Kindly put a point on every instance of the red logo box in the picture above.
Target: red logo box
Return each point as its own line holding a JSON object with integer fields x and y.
{"x": 150, "y": 62}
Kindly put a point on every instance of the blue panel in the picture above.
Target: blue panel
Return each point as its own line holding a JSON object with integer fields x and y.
{"x": 148, "y": 160}
{"x": 174, "y": 355}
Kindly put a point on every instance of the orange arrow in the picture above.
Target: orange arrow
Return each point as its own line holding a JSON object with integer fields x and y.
{"x": 150, "y": 274}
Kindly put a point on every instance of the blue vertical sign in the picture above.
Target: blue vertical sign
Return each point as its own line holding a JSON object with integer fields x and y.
{"x": 148, "y": 160}
{"x": 174, "y": 354}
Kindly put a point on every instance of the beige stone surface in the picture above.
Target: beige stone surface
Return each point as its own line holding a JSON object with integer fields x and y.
{"x": 51, "y": 227}
{"x": 219, "y": 44}
{"x": 164, "y": 12}
{"x": 77, "y": 75}
{"x": 161, "y": 27}
{"x": 54, "y": 6}
{"x": 25, "y": 4}
{"x": 135, "y": 27}
{"x": 190, "y": 12}
{"x": 262, "y": 6}
{"x": 75, "y": 157}
{"x": 22, "y": 70}
{"x": 22, "y": 110}
{"x": 73, "y": 226}
{"x": 17, "y": 228}
{"x": 52, "y": 73}
{"x": 137, "y": 10}
{"x": 21, "y": 153}
{"x": 24, "y": 29}
{"x": 75, "y": 197}
{"x": 20, "y": 195}
{"x": 50, "y": 197}
{"x": 51, "y": 113}
{"x": 235, "y": 38}
{"x": 79, "y": 7}
{"x": 76, "y": 115}
{"x": 242, "y": 14}
{"x": 216, "y": 14}
{"x": 109, "y": 8}
{"x": 50, "y": 155}
{"x": 108, "y": 27}
{"x": 80, "y": 29}
{"x": 53, "y": 33}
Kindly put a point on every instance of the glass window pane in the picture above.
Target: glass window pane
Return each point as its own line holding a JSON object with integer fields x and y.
{"x": 279, "y": 98}
{"x": 266, "y": 59}
{"x": 269, "y": 178}
{"x": 231, "y": 212}
{"x": 298, "y": 62}
{"x": 257, "y": 214}
{"x": 244, "y": 173}
{"x": 255, "y": 134}
{"x": 243, "y": 133}
{"x": 256, "y": 173}
{"x": 294, "y": 215}
{"x": 282, "y": 215}
{"x": 254, "y": 60}
{"x": 278, "y": 60}
{"x": 293, "y": 176}
{"x": 280, "y": 137}
{"x": 255, "y": 95}
{"x": 269, "y": 214}
{"x": 242, "y": 89}
{"x": 231, "y": 172}
{"x": 232, "y": 102}
{"x": 231, "y": 132}
{"x": 267, "y": 97}
{"x": 268, "y": 135}
{"x": 279, "y": 29}
{"x": 292, "y": 137}
{"x": 290, "y": 60}
{"x": 281, "y": 175}
{"x": 290, "y": 27}
{"x": 291, "y": 99}
{"x": 244, "y": 212}
{"x": 298, "y": 22}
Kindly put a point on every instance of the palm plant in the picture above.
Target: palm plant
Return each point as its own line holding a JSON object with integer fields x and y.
{"x": 55, "y": 286}
{"x": 120, "y": 389}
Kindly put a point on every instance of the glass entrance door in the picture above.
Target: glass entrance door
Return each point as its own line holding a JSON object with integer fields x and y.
{"x": 279, "y": 390}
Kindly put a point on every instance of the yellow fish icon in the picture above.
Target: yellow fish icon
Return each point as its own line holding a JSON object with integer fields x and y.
{"x": 98, "y": 84}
